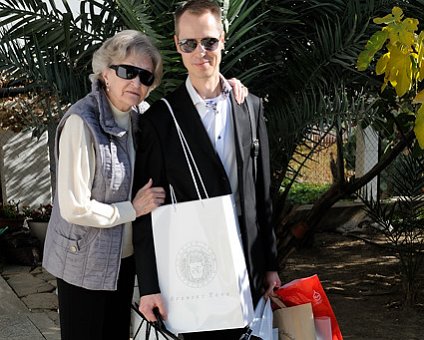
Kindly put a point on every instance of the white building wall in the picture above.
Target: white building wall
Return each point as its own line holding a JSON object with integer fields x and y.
{"x": 25, "y": 174}
{"x": 366, "y": 159}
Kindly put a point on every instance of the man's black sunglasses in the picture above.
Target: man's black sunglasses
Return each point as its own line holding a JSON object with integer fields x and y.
{"x": 130, "y": 72}
{"x": 189, "y": 45}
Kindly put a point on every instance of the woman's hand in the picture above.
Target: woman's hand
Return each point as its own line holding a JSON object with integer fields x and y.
{"x": 148, "y": 198}
{"x": 240, "y": 91}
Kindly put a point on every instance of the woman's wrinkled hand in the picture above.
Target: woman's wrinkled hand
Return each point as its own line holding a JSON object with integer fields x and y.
{"x": 148, "y": 198}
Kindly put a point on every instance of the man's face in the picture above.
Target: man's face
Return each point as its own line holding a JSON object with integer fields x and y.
{"x": 201, "y": 64}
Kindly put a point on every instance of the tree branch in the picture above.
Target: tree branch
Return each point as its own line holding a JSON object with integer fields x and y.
{"x": 292, "y": 235}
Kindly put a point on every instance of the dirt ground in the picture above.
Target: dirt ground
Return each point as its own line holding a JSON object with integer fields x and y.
{"x": 362, "y": 282}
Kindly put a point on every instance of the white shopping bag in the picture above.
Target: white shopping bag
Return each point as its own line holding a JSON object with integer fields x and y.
{"x": 201, "y": 267}
{"x": 262, "y": 323}
{"x": 323, "y": 328}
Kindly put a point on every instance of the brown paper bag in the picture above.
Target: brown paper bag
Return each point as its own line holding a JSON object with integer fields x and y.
{"x": 294, "y": 323}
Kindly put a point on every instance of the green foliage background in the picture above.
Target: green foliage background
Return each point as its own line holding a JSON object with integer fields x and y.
{"x": 300, "y": 56}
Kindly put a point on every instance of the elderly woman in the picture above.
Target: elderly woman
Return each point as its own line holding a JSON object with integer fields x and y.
{"x": 89, "y": 239}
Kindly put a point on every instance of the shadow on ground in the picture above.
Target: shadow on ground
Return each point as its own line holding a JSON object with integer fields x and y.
{"x": 362, "y": 282}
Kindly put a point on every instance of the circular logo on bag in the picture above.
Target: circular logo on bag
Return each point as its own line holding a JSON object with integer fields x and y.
{"x": 196, "y": 264}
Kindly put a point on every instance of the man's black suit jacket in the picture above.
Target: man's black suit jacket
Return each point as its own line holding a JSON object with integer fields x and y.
{"x": 159, "y": 156}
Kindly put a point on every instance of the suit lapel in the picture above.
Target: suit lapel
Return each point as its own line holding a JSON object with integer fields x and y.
{"x": 242, "y": 136}
{"x": 242, "y": 133}
{"x": 189, "y": 120}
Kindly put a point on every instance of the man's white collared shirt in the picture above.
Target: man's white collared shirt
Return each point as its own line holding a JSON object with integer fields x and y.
{"x": 215, "y": 114}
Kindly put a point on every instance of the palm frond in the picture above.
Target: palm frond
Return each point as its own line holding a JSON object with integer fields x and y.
{"x": 136, "y": 14}
{"x": 243, "y": 40}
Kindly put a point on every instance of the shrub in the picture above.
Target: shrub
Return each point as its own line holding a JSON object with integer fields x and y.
{"x": 402, "y": 223}
{"x": 306, "y": 193}
{"x": 40, "y": 214}
{"x": 10, "y": 210}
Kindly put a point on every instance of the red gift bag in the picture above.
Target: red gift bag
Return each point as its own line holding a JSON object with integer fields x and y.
{"x": 309, "y": 289}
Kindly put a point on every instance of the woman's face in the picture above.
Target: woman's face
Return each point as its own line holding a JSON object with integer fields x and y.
{"x": 125, "y": 93}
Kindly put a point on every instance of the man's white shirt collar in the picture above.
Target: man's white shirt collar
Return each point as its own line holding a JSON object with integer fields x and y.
{"x": 198, "y": 100}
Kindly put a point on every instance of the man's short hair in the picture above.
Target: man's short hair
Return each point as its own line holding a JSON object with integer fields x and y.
{"x": 197, "y": 7}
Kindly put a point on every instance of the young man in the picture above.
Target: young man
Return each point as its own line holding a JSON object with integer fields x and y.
{"x": 218, "y": 131}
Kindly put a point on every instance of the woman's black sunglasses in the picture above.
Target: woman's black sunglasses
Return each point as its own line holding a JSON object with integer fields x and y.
{"x": 130, "y": 72}
{"x": 189, "y": 45}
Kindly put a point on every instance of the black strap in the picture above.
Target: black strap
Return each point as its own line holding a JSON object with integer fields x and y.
{"x": 255, "y": 141}
{"x": 246, "y": 335}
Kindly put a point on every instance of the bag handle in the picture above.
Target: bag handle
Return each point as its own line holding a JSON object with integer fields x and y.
{"x": 188, "y": 155}
{"x": 172, "y": 194}
{"x": 277, "y": 301}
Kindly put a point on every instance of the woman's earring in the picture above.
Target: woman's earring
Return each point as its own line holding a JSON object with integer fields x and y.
{"x": 107, "y": 87}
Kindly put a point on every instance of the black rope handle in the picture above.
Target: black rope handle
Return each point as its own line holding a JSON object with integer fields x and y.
{"x": 158, "y": 327}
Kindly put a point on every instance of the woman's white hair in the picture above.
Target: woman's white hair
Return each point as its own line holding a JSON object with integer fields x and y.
{"x": 122, "y": 45}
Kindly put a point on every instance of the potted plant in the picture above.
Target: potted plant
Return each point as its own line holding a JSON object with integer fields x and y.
{"x": 11, "y": 217}
{"x": 38, "y": 219}
{"x": 17, "y": 245}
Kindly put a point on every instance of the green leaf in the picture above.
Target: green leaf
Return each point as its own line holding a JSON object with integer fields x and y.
{"x": 419, "y": 126}
{"x": 388, "y": 19}
{"x": 396, "y": 16}
{"x": 380, "y": 68}
{"x": 374, "y": 44}
{"x": 419, "y": 98}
